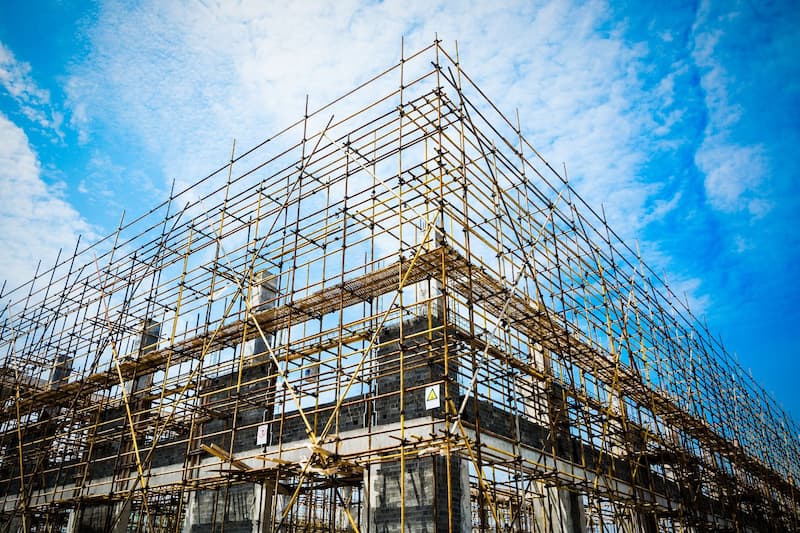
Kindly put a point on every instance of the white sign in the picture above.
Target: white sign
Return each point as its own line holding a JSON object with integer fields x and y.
{"x": 432, "y": 397}
{"x": 263, "y": 435}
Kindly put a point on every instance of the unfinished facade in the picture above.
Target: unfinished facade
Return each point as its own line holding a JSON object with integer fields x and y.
{"x": 393, "y": 315}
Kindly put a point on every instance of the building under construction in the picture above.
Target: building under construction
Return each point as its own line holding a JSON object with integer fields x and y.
{"x": 393, "y": 315}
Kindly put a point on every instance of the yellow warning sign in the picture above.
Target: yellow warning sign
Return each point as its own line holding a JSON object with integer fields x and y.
{"x": 432, "y": 397}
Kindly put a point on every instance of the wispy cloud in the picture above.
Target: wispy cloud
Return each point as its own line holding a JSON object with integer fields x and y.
{"x": 736, "y": 169}
{"x": 35, "y": 218}
{"x": 33, "y": 101}
{"x": 188, "y": 79}
{"x": 733, "y": 176}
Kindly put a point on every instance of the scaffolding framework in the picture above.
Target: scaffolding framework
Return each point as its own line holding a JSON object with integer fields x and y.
{"x": 395, "y": 289}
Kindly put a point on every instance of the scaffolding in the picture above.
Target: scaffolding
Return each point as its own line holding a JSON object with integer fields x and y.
{"x": 392, "y": 315}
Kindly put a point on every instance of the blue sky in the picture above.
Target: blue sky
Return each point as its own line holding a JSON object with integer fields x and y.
{"x": 681, "y": 119}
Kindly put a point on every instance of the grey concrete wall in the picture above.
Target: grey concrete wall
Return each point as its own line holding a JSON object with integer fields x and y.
{"x": 230, "y": 509}
{"x": 424, "y": 507}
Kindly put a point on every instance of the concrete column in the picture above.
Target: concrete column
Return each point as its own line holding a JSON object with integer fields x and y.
{"x": 534, "y": 391}
{"x": 559, "y": 511}
{"x": 99, "y": 518}
{"x": 465, "y": 500}
{"x": 262, "y": 507}
{"x": 72, "y": 521}
{"x": 62, "y": 367}
{"x": 262, "y": 296}
{"x": 151, "y": 332}
{"x": 429, "y": 289}
{"x": 555, "y": 509}
{"x": 426, "y": 501}
{"x": 428, "y": 293}
{"x": 189, "y": 517}
{"x": 123, "y": 511}
{"x": 249, "y": 508}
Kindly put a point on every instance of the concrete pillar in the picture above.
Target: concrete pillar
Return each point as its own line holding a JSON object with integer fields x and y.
{"x": 533, "y": 390}
{"x": 62, "y": 367}
{"x": 101, "y": 517}
{"x": 123, "y": 511}
{"x": 262, "y": 296}
{"x": 559, "y": 511}
{"x": 428, "y": 293}
{"x": 465, "y": 499}
{"x": 262, "y": 507}
{"x": 426, "y": 499}
{"x": 429, "y": 289}
{"x": 151, "y": 332}
{"x": 249, "y": 505}
{"x": 555, "y": 509}
{"x": 71, "y": 521}
{"x": 190, "y": 515}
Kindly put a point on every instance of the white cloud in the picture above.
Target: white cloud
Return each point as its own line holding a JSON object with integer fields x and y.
{"x": 734, "y": 172}
{"x": 36, "y": 220}
{"x": 15, "y": 77}
{"x": 34, "y": 102}
{"x": 733, "y": 175}
{"x": 661, "y": 207}
{"x": 187, "y": 78}
{"x": 687, "y": 292}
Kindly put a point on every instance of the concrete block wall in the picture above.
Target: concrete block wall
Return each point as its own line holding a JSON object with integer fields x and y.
{"x": 422, "y": 365}
{"x": 95, "y": 519}
{"x": 426, "y": 496}
{"x": 217, "y": 429}
{"x": 352, "y": 415}
{"x": 559, "y": 511}
{"x": 230, "y": 509}
{"x": 427, "y": 499}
